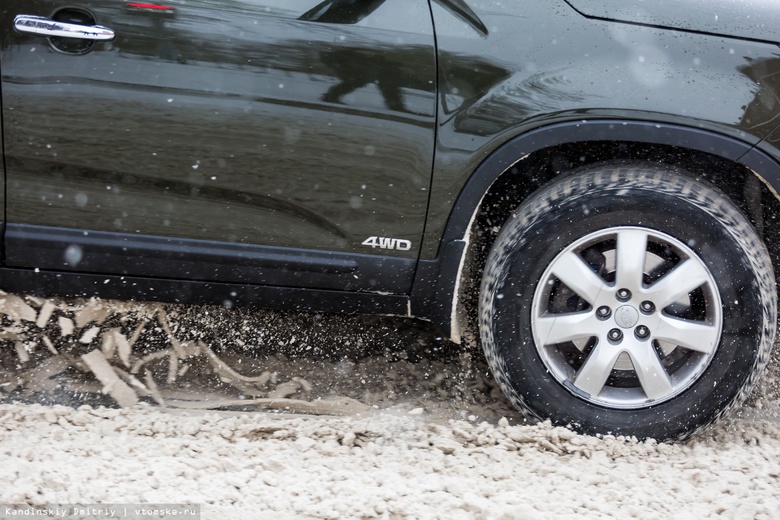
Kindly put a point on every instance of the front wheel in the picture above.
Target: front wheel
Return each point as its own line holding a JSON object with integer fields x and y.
{"x": 628, "y": 301}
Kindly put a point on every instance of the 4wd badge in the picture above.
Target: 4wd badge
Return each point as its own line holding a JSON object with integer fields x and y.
{"x": 388, "y": 243}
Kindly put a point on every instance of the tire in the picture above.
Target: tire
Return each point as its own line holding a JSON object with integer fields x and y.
{"x": 660, "y": 348}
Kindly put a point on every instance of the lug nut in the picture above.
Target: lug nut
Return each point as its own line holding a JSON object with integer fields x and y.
{"x": 642, "y": 332}
{"x": 623, "y": 295}
{"x": 603, "y": 312}
{"x": 647, "y": 307}
{"x": 615, "y": 335}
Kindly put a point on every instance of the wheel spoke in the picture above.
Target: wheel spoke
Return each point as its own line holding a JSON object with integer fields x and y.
{"x": 692, "y": 335}
{"x": 677, "y": 283}
{"x": 593, "y": 374}
{"x": 558, "y": 328}
{"x": 652, "y": 375}
{"x": 631, "y": 252}
{"x": 572, "y": 270}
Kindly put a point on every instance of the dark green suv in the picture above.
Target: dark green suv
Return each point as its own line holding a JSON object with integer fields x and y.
{"x": 590, "y": 183}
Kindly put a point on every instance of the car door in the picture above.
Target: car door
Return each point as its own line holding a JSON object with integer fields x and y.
{"x": 284, "y": 142}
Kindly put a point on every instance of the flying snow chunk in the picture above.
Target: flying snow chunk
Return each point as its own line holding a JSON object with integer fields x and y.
{"x": 73, "y": 255}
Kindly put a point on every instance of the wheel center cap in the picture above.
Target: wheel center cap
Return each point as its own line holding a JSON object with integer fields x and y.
{"x": 626, "y": 316}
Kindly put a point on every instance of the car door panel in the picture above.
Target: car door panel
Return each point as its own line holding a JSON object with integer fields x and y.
{"x": 209, "y": 124}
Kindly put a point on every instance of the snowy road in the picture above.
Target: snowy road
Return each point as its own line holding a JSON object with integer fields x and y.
{"x": 380, "y": 466}
{"x": 424, "y": 439}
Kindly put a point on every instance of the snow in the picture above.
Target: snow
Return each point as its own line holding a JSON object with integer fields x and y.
{"x": 379, "y": 465}
{"x": 424, "y": 431}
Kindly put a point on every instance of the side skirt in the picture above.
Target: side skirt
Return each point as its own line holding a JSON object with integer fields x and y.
{"x": 67, "y": 284}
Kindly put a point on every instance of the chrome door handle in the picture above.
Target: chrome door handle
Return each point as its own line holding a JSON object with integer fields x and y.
{"x": 51, "y": 28}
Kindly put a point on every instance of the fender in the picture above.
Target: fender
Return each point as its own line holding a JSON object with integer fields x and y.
{"x": 435, "y": 291}
{"x": 600, "y": 130}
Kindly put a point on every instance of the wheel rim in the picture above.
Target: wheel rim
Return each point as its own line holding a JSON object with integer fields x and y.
{"x": 626, "y": 317}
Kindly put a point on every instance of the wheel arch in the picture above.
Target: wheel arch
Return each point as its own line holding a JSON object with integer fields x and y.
{"x": 523, "y": 164}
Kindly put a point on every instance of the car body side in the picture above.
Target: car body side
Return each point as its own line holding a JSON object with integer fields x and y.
{"x": 524, "y": 92}
{"x": 569, "y": 90}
